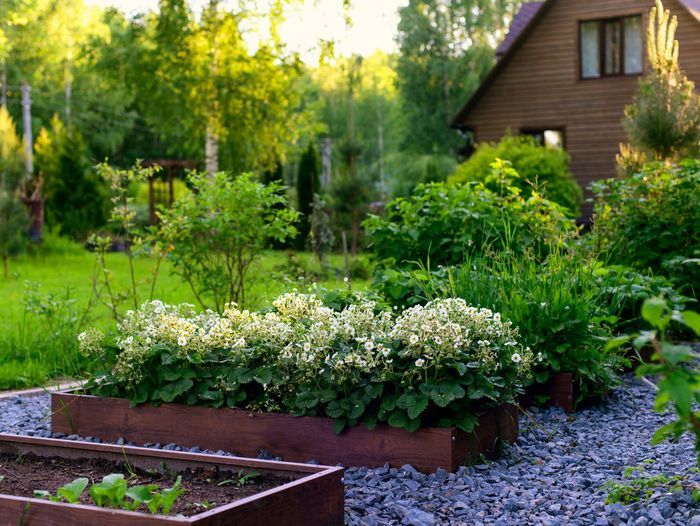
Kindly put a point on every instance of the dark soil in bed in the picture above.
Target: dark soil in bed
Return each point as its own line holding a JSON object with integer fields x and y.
{"x": 21, "y": 476}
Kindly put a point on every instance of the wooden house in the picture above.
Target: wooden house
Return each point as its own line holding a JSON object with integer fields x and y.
{"x": 565, "y": 73}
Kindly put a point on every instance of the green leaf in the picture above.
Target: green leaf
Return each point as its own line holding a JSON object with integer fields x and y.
{"x": 169, "y": 392}
{"x": 141, "y": 494}
{"x": 399, "y": 419}
{"x": 415, "y": 405}
{"x": 653, "y": 311}
{"x": 370, "y": 421}
{"x": 339, "y": 425}
{"x": 618, "y": 342}
{"x": 467, "y": 423}
{"x": 72, "y": 491}
{"x": 262, "y": 375}
{"x": 680, "y": 392}
{"x": 692, "y": 320}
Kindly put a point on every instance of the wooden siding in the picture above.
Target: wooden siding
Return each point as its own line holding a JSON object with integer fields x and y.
{"x": 540, "y": 87}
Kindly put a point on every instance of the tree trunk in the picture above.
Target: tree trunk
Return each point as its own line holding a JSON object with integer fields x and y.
{"x": 211, "y": 152}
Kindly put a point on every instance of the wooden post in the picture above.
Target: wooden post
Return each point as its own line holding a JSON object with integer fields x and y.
{"x": 27, "y": 115}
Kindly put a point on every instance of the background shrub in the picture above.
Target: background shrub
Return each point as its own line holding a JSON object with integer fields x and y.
{"x": 537, "y": 166}
{"x": 218, "y": 231}
{"x": 441, "y": 224}
{"x": 555, "y": 305}
{"x": 650, "y": 222}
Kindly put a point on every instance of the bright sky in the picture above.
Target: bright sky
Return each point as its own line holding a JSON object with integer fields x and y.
{"x": 374, "y": 23}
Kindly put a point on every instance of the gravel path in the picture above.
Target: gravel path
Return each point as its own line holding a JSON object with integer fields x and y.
{"x": 553, "y": 476}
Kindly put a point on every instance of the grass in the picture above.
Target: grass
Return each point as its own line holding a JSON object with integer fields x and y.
{"x": 44, "y": 299}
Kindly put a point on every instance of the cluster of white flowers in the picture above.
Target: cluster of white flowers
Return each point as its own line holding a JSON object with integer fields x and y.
{"x": 305, "y": 337}
{"x": 449, "y": 329}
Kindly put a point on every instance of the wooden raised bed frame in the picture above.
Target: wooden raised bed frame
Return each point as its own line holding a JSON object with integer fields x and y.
{"x": 559, "y": 389}
{"x": 298, "y": 439}
{"x": 315, "y": 499}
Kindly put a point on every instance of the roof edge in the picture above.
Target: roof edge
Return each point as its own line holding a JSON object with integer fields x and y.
{"x": 693, "y": 7}
{"x": 496, "y": 69}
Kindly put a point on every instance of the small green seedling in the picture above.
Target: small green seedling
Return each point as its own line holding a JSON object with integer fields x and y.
{"x": 241, "y": 479}
{"x": 71, "y": 492}
{"x": 110, "y": 492}
{"x": 113, "y": 492}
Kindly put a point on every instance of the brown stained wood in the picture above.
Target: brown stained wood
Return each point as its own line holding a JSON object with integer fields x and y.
{"x": 539, "y": 85}
{"x": 298, "y": 439}
{"x": 315, "y": 499}
{"x": 16, "y": 511}
{"x": 559, "y": 388}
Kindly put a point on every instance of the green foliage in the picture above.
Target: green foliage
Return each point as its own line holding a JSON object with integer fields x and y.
{"x": 357, "y": 365}
{"x": 308, "y": 185}
{"x": 650, "y": 222}
{"x": 122, "y": 219}
{"x": 11, "y": 152}
{"x": 641, "y": 486}
{"x": 13, "y": 226}
{"x": 220, "y": 230}
{"x": 538, "y": 168}
{"x": 406, "y": 170}
{"x": 664, "y": 119}
{"x": 442, "y": 224}
{"x": 674, "y": 364}
{"x": 555, "y": 305}
{"x": 623, "y": 291}
{"x": 114, "y": 492}
{"x": 436, "y": 70}
{"x": 74, "y": 194}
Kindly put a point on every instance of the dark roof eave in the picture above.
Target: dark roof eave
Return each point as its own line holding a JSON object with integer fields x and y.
{"x": 458, "y": 121}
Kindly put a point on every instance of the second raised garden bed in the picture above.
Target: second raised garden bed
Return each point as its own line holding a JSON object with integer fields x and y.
{"x": 298, "y": 439}
{"x": 286, "y": 494}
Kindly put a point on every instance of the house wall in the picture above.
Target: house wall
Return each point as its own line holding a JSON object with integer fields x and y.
{"x": 540, "y": 86}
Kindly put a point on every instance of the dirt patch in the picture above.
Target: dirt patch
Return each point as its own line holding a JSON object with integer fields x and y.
{"x": 204, "y": 488}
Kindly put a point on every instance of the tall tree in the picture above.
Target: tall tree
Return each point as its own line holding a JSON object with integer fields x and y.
{"x": 446, "y": 47}
{"x": 308, "y": 185}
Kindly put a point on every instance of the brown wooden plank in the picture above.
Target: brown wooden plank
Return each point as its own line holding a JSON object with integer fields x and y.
{"x": 16, "y": 511}
{"x": 293, "y": 438}
{"x": 315, "y": 499}
{"x": 319, "y": 501}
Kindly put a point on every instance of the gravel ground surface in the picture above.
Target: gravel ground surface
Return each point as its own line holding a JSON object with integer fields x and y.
{"x": 553, "y": 476}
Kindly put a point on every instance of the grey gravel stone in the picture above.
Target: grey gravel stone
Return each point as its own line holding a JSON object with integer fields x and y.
{"x": 554, "y": 475}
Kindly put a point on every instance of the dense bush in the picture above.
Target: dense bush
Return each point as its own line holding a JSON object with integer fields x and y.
{"x": 554, "y": 304}
{"x": 650, "y": 222}
{"x": 437, "y": 365}
{"x": 546, "y": 169}
{"x": 218, "y": 231}
{"x": 76, "y": 199}
{"x": 441, "y": 224}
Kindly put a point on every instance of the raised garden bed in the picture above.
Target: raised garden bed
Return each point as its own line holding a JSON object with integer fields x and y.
{"x": 298, "y": 439}
{"x": 559, "y": 391}
{"x": 280, "y": 493}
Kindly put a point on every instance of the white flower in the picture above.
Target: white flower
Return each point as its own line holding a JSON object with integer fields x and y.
{"x": 182, "y": 341}
{"x": 240, "y": 342}
{"x": 516, "y": 358}
{"x": 307, "y": 346}
{"x": 369, "y": 345}
{"x": 540, "y": 356}
{"x": 413, "y": 339}
{"x": 420, "y": 362}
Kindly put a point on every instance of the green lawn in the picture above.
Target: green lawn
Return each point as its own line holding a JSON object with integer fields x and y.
{"x": 34, "y": 348}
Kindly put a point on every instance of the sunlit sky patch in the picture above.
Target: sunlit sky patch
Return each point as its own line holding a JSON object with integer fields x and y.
{"x": 373, "y": 23}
